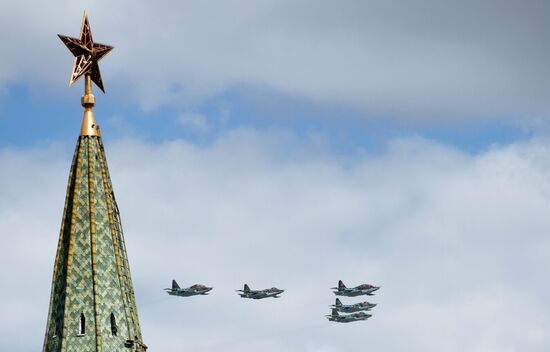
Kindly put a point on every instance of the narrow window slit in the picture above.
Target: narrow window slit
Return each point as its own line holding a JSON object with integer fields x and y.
{"x": 82, "y": 324}
{"x": 55, "y": 329}
{"x": 114, "y": 329}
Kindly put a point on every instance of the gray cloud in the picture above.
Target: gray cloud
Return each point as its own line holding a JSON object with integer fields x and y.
{"x": 417, "y": 59}
{"x": 458, "y": 242}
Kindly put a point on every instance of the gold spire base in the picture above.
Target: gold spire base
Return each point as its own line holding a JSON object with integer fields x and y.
{"x": 89, "y": 126}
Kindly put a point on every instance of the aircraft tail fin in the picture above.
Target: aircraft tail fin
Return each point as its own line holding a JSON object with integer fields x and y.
{"x": 246, "y": 288}
{"x": 175, "y": 285}
{"x": 341, "y": 285}
{"x": 334, "y": 312}
{"x": 338, "y": 303}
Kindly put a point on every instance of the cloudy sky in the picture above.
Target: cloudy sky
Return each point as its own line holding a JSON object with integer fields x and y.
{"x": 292, "y": 144}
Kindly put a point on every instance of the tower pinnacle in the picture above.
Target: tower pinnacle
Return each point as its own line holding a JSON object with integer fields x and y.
{"x": 87, "y": 55}
{"x": 92, "y": 302}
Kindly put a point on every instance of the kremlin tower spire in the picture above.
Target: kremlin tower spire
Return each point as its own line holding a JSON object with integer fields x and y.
{"x": 92, "y": 303}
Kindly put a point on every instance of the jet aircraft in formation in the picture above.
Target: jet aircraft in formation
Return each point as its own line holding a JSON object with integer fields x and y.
{"x": 246, "y": 292}
{"x": 352, "y": 308}
{"x": 348, "y": 318}
{"x": 194, "y": 290}
{"x": 357, "y": 309}
{"x": 360, "y": 290}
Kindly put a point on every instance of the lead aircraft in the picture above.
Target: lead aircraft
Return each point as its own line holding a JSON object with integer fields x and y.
{"x": 194, "y": 290}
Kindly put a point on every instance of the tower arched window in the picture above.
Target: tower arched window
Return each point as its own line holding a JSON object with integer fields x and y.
{"x": 114, "y": 329}
{"x": 82, "y": 324}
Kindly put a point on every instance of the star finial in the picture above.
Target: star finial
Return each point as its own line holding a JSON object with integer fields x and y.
{"x": 87, "y": 54}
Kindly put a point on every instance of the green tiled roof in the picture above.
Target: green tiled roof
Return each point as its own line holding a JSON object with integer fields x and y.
{"x": 91, "y": 276}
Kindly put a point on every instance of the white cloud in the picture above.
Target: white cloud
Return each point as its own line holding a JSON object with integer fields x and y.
{"x": 458, "y": 242}
{"x": 420, "y": 59}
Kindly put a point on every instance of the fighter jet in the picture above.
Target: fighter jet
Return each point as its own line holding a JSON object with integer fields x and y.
{"x": 349, "y": 318}
{"x": 352, "y": 308}
{"x": 360, "y": 290}
{"x": 259, "y": 294}
{"x": 194, "y": 290}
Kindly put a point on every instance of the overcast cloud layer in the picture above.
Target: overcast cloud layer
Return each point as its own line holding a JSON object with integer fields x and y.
{"x": 459, "y": 243}
{"x": 413, "y": 59}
